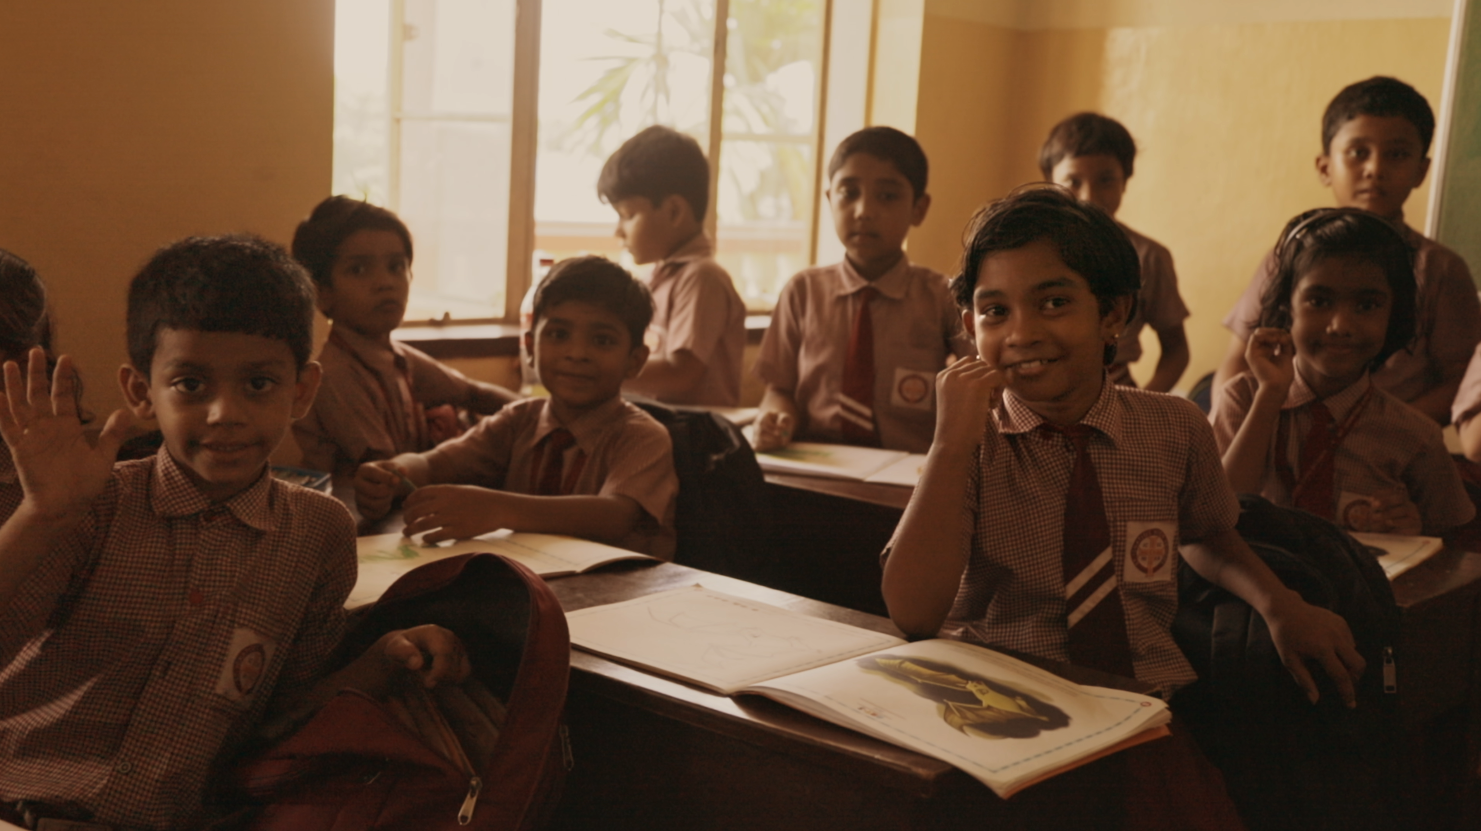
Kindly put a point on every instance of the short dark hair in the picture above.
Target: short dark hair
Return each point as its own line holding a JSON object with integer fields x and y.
{"x": 891, "y": 145}
{"x": 1085, "y": 237}
{"x": 238, "y": 283}
{"x": 1087, "y": 134}
{"x": 602, "y": 283}
{"x": 317, "y": 240}
{"x": 1380, "y": 96}
{"x": 25, "y": 321}
{"x": 655, "y": 164}
{"x": 1317, "y": 234}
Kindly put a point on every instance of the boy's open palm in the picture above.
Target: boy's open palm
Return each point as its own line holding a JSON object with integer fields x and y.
{"x": 60, "y": 471}
{"x": 1270, "y": 354}
{"x": 966, "y": 394}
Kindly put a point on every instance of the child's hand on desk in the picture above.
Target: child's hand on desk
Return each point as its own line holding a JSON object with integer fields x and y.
{"x": 773, "y": 430}
{"x": 455, "y": 512}
{"x": 59, "y": 470}
{"x": 966, "y": 394}
{"x": 1270, "y": 354}
{"x": 377, "y": 485}
{"x": 432, "y": 654}
{"x": 1393, "y": 513}
{"x": 1303, "y": 633}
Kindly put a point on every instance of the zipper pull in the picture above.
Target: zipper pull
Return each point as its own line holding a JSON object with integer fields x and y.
{"x": 1390, "y": 671}
{"x": 570, "y": 758}
{"x": 465, "y": 814}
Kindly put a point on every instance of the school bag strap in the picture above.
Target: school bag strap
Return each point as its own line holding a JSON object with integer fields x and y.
{"x": 354, "y": 766}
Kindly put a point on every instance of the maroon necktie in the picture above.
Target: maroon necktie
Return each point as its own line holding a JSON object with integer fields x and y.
{"x": 1318, "y": 464}
{"x": 1097, "y": 625}
{"x": 856, "y": 403}
{"x": 552, "y": 461}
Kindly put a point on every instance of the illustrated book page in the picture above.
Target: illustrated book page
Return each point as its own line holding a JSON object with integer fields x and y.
{"x": 906, "y": 472}
{"x": 715, "y": 640}
{"x": 1005, "y": 722}
{"x": 1400, "y": 553}
{"x": 835, "y": 461}
{"x": 385, "y": 557}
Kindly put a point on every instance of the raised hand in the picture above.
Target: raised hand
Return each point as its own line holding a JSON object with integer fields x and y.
{"x": 455, "y": 512}
{"x": 60, "y": 471}
{"x": 1270, "y": 354}
{"x": 966, "y": 394}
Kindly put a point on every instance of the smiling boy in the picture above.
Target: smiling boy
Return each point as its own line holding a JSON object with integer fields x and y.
{"x": 1024, "y": 531}
{"x": 853, "y": 349}
{"x": 1375, "y": 151}
{"x": 658, "y": 182}
{"x": 153, "y": 610}
{"x": 582, "y": 462}
{"x": 379, "y": 397}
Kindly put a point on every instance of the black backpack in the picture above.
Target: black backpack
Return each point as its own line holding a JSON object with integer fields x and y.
{"x": 723, "y": 517}
{"x": 1289, "y": 764}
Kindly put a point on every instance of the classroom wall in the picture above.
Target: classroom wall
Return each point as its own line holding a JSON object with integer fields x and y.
{"x": 1457, "y": 220}
{"x": 129, "y": 125}
{"x": 1224, "y": 98}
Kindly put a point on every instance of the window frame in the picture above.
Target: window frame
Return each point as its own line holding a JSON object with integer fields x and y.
{"x": 524, "y": 127}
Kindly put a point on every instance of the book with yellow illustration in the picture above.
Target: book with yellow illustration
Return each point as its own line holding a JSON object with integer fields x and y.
{"x": 1003, "y": 721}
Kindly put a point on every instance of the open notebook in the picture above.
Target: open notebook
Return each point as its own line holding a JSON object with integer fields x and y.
{"x": 1005, "y": 722}
{"x": 386, "y": 557}
{"x": 1400, "y": 553}
{"x": 843, "y": 461}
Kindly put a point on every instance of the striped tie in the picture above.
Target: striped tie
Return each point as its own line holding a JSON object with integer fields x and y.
{"x": 856, "y": 399}
{"x": 1096, "y": 622}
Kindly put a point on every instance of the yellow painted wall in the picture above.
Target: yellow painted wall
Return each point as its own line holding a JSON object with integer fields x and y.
{"x": 1227, "y": 117}
{"x": 130, "y": 125}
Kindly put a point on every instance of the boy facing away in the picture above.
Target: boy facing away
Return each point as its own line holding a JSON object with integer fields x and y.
{"x": 1053, "y": 503}
{"x": 583, "y": 462}
{"x": 1093, "y": 156}
{"x": 1375, "y": 151}
{"x": 658, "y": 182}
{"x": 378, "y": 397}
{"x": 153, "y": 610}
{"x": 853, "y": 349}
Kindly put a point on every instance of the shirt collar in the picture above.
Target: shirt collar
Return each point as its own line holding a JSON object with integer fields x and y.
{"x": 175, "y": 495}
{"x": 370, "y": 353}
{"x": 697, "y": 248}
{"x": 892, "y": 284}
{"x": 1015, "y": 417}
{"x": 1338, "y": 404}
{"x": 587, "y": 427}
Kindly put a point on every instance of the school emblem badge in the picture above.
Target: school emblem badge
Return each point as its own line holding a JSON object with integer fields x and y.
{"x": 912, "y": 389}
{"x": 246, "y": 662}
{"x": 1355, "y": 511}
{"x": 1149, "y": 551}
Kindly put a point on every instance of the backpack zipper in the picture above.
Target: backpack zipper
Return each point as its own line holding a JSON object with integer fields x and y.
{"x": 1390, "y": 671}
{"x": 568, "y": 757}
{"x": 465, "y": 814}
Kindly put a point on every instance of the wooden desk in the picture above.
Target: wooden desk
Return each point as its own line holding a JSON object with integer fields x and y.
{"x": 655, "y": 753}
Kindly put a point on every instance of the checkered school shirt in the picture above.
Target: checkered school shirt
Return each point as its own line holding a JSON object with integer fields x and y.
{"x": 1158, "y": 468}
{"x": 1390, "y": 445}
{"x": 152, "y": 639}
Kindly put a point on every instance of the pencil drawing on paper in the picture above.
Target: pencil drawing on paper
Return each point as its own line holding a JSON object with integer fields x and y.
{"x": 720, "y": 643}
{"x": 971, "y": 704}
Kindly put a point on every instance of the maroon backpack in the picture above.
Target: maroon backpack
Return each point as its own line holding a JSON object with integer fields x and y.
{"x": 354, "y": 766}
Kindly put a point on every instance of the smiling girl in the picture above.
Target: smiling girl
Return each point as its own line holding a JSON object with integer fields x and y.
{"x": 1306, "y": 426}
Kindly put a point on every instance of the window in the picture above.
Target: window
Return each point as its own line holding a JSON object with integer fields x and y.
{"x": 427, "y": 122}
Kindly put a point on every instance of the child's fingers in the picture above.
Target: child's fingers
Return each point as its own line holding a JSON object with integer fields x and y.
{"x": 18, "y": 410}
{"x": 1303, "y": 678}
{"x": 63, "y": 383}
{"x": 1338, "y": 671}
{"x": 37, "y": 383}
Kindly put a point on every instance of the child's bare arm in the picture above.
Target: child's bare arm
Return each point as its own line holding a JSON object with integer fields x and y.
{"x": 1302, "y": 633}
{"x": 924, "y": 568}
{"x": 1174, "y": 359}
{"x": 777, "y": 421}
{"x": 674, "y": 374}
{"x": 486, "y": 399}
{"x": 60, "y": 472}
{"x": 460, "y": 512}
{"x": 379, "y": 484}
{"x": 1269, "y": 356}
